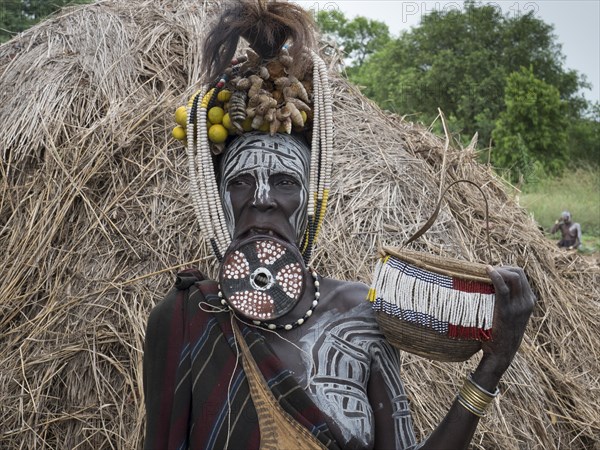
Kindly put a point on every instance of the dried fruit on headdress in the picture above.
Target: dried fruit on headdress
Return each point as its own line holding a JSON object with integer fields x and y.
{"x": 270, "y": 87}
{"x": 280, "y": 85}
{"x": 272, "y": 99}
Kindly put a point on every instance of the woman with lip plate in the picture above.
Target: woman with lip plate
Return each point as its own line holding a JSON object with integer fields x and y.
{"x": 272, "y": 355}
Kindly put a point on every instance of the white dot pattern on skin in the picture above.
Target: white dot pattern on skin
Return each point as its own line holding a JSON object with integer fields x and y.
{"x": 290, "y": 279}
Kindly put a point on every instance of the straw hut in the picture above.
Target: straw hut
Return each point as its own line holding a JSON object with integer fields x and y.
{"x": 95, "y": 220}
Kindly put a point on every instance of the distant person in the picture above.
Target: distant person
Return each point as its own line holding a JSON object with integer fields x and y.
{"x": 571, "y": 232}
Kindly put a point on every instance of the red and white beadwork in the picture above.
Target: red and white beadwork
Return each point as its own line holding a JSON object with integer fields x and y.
{"x": 450, "y": 306}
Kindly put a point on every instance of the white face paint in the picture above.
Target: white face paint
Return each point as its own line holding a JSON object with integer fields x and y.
{"x": 262, "y": 156}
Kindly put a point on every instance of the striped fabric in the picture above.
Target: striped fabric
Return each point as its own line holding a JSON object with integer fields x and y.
{"x": 196, "y": 392}
{"x": 449, "y": 305}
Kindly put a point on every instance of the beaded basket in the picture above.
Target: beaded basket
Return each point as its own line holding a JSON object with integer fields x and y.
{"x": 431, "y": 306}
{"x": 435, "y": 307}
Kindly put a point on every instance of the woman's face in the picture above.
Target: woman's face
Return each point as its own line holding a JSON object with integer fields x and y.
{"x": 264, "y": 186}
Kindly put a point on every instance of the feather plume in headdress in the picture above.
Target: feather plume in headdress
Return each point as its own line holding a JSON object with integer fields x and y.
{"x": 266, "y": 25}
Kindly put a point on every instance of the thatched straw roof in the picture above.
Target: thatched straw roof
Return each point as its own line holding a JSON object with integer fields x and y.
{"x": 95, "y": 219}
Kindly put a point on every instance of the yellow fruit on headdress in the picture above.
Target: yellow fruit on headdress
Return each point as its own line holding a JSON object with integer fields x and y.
{"x": 181, "y": 116}
{"x": 227, "y": 121}
{"x": 247, "y": 124}
{"x": 304, "y": 116}
{"x": 217, "y": 134}
{"x": 224, "y": 95}
{"x": 264, "y": 127}
{"x": 179, "y": 133}
{"x": 215, "y": 114}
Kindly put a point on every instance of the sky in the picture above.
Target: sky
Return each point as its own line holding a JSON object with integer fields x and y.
{"x": 576, "y": 24}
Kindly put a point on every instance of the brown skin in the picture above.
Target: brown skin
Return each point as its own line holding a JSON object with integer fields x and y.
{"x": 515, "y": 302}
{"x": 254, "y": 215}
{"x": 564, "y": 225}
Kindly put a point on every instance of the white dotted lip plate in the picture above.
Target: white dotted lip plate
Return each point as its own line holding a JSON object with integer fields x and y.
{"x": 262, "y": 278}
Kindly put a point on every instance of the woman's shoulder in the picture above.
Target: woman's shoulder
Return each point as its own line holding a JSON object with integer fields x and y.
{"x": 349, "y": 314}
{"x": 345, "y": 296}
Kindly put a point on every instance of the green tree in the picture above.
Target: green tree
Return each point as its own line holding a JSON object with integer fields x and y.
{"x": 584, "y": 138}
{"x": 459, "y": 60}
{"x": 18, "y": 15}
{"x": 530, "y": 134}
{"x": 358, "y": 38}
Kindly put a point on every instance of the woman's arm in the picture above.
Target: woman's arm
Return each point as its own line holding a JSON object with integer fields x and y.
{"x": 515, "y": 301}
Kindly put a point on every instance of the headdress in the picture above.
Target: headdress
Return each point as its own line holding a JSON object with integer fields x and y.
{"x": 280, "y": 85}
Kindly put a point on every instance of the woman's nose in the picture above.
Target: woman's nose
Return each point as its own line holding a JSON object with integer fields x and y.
{"x": 262, "y": 197}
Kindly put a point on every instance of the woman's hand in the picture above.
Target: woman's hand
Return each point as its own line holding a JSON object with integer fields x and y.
{"x": 514, "y": 304}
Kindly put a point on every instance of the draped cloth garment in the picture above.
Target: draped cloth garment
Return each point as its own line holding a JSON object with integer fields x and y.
{"x": 203, "y": 390}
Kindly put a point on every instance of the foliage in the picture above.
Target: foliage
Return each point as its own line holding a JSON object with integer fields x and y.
{"x": 18, "y": 15}
{"x": 591, "y": 244}
{"x": 358, "y": 38}
{"x": 576, "y": 191}
{"x": 584, "y": 138}
{"x": 532, "y": 128}
{"x": 459, "y": 60}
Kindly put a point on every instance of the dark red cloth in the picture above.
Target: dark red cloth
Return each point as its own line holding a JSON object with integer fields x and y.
{"x": 195, "y": 388}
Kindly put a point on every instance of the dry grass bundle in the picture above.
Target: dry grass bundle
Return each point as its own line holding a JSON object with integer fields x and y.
{"x": 95, "y": 219}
